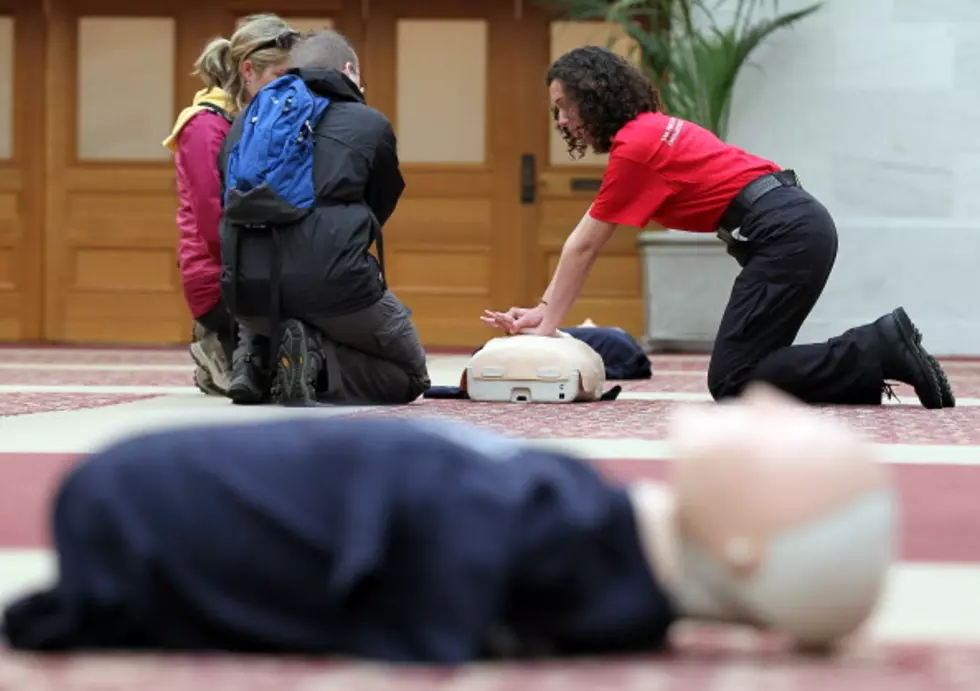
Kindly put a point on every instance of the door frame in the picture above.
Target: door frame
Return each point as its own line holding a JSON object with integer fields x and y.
{"x": 505, "y": 134}
{"x": 24, "y": 172}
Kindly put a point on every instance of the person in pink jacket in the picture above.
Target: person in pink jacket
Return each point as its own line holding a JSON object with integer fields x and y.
{"x": 232, "y": 71}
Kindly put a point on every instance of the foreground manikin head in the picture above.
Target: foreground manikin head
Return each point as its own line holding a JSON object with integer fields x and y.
{"x": 784, "y": 519}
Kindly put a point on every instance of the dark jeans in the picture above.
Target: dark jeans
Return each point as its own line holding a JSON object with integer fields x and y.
{"x": 372, "y": 356}
{"x": 219, "y": 320}
{"x": 787, "y": 257}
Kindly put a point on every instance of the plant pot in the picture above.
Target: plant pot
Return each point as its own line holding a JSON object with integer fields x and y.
{"x": 687, "y": 278}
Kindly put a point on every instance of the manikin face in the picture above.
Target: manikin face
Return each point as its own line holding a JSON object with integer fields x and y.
{"x": 751, "y": 469}
{"x": 255, "y": 80}
{"x": 779, "y": 507}
{"x": 566, "y": 113}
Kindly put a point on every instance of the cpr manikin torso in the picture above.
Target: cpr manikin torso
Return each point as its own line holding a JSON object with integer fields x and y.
{"x": 525, "y": 368}
{"x": 778, "y": 516}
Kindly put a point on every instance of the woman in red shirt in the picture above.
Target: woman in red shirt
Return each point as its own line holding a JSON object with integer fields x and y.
{"x": 681, "y": 176}
{"x": 232, "y": 71}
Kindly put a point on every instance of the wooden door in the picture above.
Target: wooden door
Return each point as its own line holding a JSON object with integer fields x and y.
{"x": 118, "y": 74}
{"x": 444, "y": 73}
{"x": 613, "y": 293}
{"x": 21, "y": 169}
{"x": 461, "y": 81}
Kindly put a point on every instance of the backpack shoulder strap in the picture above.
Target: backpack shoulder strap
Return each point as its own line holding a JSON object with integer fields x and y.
{"x": 217, "y": 110}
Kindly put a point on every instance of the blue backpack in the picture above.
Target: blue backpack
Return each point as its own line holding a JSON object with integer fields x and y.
{"x": 273, "y": 159}
{"x": 269, "y": 183}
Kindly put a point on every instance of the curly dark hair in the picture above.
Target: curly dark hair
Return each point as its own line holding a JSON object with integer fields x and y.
{"x": 608, "y": 91}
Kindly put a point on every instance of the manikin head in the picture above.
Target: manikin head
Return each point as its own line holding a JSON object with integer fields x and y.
{"x": 784, "y": 517}
{"x": 510, "y": 364}
{"x": 593, "y": 93}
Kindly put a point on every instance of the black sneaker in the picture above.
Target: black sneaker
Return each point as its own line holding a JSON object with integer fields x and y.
{"x": 249, "y": 380}
{"x": 904, "y": 360}
{"x": 297, "y": 366}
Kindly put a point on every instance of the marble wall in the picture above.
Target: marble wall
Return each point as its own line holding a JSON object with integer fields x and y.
{"x": 876, "y": 105}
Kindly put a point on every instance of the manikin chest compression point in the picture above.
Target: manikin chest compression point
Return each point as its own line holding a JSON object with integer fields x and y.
{"x": 783, "y": 518}
{"x": 535, "y": 369}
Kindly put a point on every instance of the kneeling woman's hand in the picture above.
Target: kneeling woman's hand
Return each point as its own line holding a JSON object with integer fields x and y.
{"x": 520, "y": 320}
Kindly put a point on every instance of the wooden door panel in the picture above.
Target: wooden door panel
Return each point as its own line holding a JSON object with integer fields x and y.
{"x": 21, "y": 170}
{"x": 12, "y": 297}
{"x": 119, "y": 75}
{"x": 11, "y": 188}
{"x": 440, "y": 71}
{"x": 612, "y": 295}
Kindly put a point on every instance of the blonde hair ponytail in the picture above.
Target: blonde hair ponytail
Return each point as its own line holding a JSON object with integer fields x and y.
{"x": 214, "y": 65}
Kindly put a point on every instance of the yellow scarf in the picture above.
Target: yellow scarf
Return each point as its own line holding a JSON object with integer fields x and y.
{"x": 216, "y": 96}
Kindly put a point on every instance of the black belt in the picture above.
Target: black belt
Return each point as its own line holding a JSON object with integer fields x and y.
{"x": 732, "y": 219}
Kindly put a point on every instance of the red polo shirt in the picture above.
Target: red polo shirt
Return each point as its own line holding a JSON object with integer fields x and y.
{"x": 674, "y": 173}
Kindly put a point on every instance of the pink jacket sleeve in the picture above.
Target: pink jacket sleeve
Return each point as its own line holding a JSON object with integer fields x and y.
{"x": 198, "y": 177}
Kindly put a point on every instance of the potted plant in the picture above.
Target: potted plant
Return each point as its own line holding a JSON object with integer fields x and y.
{"x": 693, "y": 50}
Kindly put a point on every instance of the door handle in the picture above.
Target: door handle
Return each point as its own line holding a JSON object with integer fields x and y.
{"x": 529, "y": 182}
{"x": 585, "y": 184}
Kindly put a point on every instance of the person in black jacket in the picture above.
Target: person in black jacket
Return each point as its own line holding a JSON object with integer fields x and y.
{"x": 344, "y": 336}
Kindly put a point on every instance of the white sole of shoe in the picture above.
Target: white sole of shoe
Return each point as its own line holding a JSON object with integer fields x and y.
{"x": 221, "y": 379}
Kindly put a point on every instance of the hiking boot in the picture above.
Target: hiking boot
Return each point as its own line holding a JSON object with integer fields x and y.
{"x": 209, "y": 354}
{"x": 904, "y": 359}
{"x": 204, "y": 383}
{"x": 249, "y": 376}
{"x": 298, "y": 366}
{"x": 945, "y": 389}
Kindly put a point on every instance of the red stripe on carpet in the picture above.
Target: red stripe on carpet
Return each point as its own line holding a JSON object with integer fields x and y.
{"x": 33, "y": 402}
{"x": 98, "y": 377}
{"x": 705, "y": 663}
{"x": 938, "y": 503}
{"x": 938, "y": 506}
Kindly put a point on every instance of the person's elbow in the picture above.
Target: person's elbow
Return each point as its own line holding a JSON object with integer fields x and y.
{"x": 590, "y": 237}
